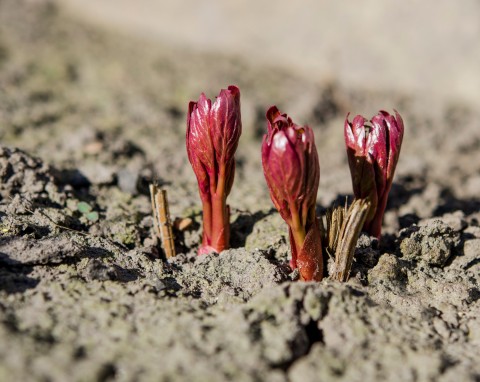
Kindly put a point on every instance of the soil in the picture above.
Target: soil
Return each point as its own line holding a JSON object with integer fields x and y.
{"x": 89, "y": 118}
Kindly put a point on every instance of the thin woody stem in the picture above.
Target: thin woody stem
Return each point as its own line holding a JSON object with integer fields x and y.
{"x": 162, "y": 221}
{"x": 153, "y": 193}
{"x": 165, "y": 223}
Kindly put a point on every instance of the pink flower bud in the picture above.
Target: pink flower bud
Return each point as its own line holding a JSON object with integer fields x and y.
{"x": 373, "y": 152}
{"x": 291, "y": 168}
{"x": 213, "y": 131}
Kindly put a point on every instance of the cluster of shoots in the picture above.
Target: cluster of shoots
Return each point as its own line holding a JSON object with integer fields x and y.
{"x": 292, "y": 173}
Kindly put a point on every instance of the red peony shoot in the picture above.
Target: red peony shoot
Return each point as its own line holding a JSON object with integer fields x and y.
{"x": 292, "y": 171}
{"x": 213, "y": 131}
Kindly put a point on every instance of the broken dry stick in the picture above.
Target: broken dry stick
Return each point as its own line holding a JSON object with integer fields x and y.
{"x": 348, "y": 237}
{"x": 162, "y": 221}
{"x": 335, "y": 218}
{"x": 153, "y": 193}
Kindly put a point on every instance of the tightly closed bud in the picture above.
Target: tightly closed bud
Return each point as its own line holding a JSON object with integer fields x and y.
{"x": 373, "y": 150}
{"x": 292, "y": 171}
{"x": 213, "y": 131}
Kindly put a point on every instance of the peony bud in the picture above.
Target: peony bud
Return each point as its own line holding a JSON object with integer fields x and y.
{"x": 373, "y": 152}
{"x": 291, "y": 168}
{"x": 213, "y": 131}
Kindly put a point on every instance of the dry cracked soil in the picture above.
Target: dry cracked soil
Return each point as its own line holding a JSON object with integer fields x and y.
{"x": 89, "y": 118}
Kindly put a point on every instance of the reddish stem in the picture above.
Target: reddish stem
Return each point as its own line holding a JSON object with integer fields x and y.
{"x": 207, "y": 223}
{"x": 216, "y": 216}
{"x": 297, "y": 229}
{"x": 220, "y": 223}
{"x": 375, "y": 225}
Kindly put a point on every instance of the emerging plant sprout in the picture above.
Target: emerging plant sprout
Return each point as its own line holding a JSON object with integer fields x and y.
{"x": 292, "y": 171}
{"x": 213, "y": 131}
{"x": 373, "y": 150}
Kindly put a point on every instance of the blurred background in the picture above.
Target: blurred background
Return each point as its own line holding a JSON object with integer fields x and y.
{"x": 429, "y": 47}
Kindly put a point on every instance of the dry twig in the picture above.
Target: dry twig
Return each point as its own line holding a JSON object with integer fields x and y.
{"x": 344, "y": 230}
{"x": 162, "y": 221}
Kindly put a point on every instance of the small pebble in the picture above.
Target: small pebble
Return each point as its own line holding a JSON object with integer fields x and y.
{"x": 182, "y": 224}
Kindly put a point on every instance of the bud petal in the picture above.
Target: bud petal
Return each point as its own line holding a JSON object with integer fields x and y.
{"x": 290, "y": 162}
{"x": 225, "y": 124}
{"x": 199, "y": 144}
{"x": 309, "y": 263}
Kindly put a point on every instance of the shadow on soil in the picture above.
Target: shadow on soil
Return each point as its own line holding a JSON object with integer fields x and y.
{"x": 14, "y": 276}
{"x": 243, "y": 226}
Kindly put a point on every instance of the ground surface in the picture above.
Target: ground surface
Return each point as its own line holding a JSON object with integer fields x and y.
{"x": 88, "y": 118}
